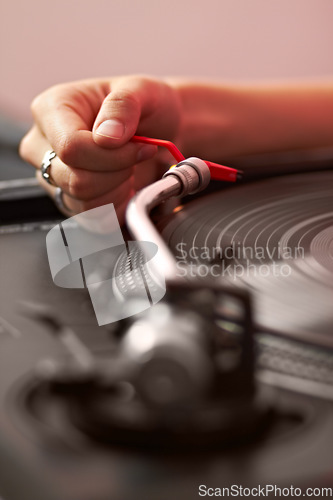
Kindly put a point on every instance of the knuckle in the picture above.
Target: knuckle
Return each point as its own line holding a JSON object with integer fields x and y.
{"x": 125, "y": 99}
{"x": 24, "y": 147}
{"x": 80, "y": 184}
{"x": 35, "y": 104}
{"x": 67, "y": 149}
{"x": 49, "y": 95}
{"x": 138, "y": 80}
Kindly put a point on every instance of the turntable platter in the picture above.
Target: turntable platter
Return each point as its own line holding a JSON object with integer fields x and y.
{"x": 273, "y": 237}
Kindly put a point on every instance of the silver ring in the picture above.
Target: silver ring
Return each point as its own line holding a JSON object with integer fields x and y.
{"x": 46, "y": 165}
{"x": 59, "y": 201}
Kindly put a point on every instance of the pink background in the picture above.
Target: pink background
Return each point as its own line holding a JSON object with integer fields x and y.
{"x": 45, "y": 42}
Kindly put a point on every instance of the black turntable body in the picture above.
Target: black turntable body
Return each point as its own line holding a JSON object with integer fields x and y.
{"x": 234, "y": 388}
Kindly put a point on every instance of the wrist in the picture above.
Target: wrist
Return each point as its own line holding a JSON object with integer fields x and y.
{"x": 219, "y": 122}
{"x": 208, "y": 125}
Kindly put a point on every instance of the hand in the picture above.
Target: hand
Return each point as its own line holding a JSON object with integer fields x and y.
{"x": 89, "y": 125}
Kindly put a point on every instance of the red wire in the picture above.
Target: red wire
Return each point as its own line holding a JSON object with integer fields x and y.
{"x": 218, "y": 172}
{"x": 160, "y": 142}
{"x": 222, "y": 173}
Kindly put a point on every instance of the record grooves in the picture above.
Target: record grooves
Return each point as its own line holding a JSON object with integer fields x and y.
{"x": 187, "y": 394}
{"x": 273, "y": 237}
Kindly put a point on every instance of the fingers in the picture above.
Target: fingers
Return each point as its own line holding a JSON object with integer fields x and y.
{"x": 89, "y": 125}
{"x": 81, "y": 152}
{"x": 136, "y": 105}
{"x": 78, "y": 183}
{"x": 71, "y": 205}
{"x": 122, "y": 109}
{"x": 65, "y": 115}
{"x": 119, "y": 196}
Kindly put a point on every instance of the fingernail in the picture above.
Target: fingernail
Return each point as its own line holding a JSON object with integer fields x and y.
{"x": 146, "y": 152}
{"x": 111, "y": 128}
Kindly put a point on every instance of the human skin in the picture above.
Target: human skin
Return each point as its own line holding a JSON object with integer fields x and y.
{"x": 90, "y": 123}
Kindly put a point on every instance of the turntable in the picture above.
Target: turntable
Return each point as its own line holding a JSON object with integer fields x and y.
{"x": 231, "y": 382}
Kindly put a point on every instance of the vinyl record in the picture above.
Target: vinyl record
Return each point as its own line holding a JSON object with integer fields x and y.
{"x": 274, "y": 238}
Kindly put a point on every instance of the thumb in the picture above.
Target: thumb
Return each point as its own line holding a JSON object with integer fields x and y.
{"x": 121, "y": 110}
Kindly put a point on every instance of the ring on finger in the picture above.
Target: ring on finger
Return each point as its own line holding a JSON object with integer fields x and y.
{"x": 46, "y": 166}
{"x": 59, "y": 201}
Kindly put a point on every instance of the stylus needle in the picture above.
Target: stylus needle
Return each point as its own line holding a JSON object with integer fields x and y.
{"x": 218, "y": 172}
